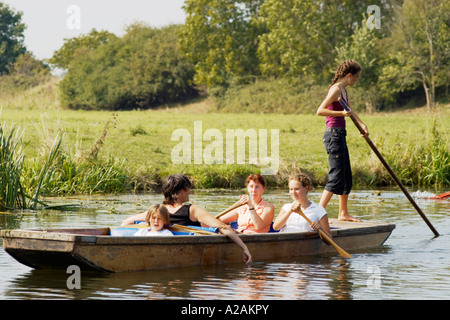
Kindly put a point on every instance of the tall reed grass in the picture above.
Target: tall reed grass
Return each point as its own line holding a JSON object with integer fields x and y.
{"x": 76, "y": 171}
{"x": 424, "y": 162}
{"x": 12, "y": 191}
{"x": 55, "y": 172}
{"x": 11, "y": 163}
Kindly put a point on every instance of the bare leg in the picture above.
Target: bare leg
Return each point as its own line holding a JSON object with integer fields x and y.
{"x": 343, "y": 210}
{"x": 326, "y": 196}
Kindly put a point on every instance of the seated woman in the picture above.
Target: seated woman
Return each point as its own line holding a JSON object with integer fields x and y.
{"x": 256, "y": 215}
{"x": 176, "y": 189}
{"x": 158, "y": 219}
{"x": 288, "y": 220}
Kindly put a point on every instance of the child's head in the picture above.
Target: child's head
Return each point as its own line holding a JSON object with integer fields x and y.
{"x": 158, "y": 217}
{"x": 347, "y": 67}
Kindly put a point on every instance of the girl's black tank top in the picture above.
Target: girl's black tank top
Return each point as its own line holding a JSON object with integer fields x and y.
{"x": 181, "y": 217}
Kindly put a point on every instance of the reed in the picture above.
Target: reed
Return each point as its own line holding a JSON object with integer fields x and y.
{"x": 12, "y": 192}
{"x": 423, "y": 162}
{"x": 11, "y": 163}
{"x": 75, "y": 171}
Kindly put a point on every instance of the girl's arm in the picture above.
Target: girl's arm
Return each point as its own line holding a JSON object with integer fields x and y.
{"x": 324, "y": 225}
{"x": 281, "y": 219}
{"x": 204, "y": 217}
{"x": 333, "y": 95}
{"x": 263, "y": 220}
{"x": 366, "y": 130}
{"x": 230, "y": 216}
{"x": 230, "y": 233}
{"x": 136, "y": 217}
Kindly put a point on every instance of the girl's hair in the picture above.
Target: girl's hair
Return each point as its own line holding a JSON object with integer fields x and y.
{"x": 346, "y": 67}
{"x": 256, "y": 178}
{"x": 162, "y": 210}
{"x": 302, "y": 178}
{"x": 172, "y": 185}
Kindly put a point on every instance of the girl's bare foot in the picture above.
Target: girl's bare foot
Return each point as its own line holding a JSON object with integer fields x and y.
{"x": 347, "y": 217}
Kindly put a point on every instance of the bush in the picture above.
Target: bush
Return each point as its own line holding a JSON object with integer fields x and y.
{"x": 284, "y": 95}
{"x": 143, "y": 69}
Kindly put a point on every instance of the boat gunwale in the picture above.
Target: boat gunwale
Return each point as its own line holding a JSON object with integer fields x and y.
{"x": 103, "y": 238}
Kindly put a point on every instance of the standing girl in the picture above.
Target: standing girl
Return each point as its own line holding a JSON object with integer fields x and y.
{"x": 340, "y": 174}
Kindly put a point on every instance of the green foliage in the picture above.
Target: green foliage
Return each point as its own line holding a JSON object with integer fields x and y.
{"x": 72, "y": 175}
{"x": 424, "y": 163}
{"x": 221, "y": 39}
{"x": 14, "y": 193}
{"x": 362, "y": 46}
{"x": 302, "y": 36}
{"x": 307, "y": 39}
{"x": 26, "y": 72}
{"x": 11, "y": 37}
{"x": 80, "y": 45}
{"x": 11, "y": 163}
{"x": 142, "y": 69}
{"x": 418, "y": 50}
{"x": 282, "y": 96}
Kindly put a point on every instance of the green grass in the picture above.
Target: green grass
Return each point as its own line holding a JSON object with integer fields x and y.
{"x": 103, "y": 151}
{"x": 139, "y": 143}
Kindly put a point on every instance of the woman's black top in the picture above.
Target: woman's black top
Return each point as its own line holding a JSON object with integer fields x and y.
{"x": 181, "y": 217}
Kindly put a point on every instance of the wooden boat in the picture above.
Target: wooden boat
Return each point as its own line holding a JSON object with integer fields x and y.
{"x": 97, "y": 249}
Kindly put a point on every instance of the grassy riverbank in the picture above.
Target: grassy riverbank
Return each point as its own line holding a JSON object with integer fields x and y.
{"x": 132, "y": 150}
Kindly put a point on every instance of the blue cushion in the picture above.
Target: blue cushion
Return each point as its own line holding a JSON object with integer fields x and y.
{"x": 234, "y": 225}
{"x": 123, "y": 232}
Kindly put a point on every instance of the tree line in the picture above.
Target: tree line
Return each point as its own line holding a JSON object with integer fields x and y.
{"x": 403, "y": 47}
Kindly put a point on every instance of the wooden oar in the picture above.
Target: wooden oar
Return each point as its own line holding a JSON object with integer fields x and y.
{"x": 393, "y": 175}
{"x": 341, "y": 251}
{"x": 178, "y": 227}
{"x": 234, "y": 206}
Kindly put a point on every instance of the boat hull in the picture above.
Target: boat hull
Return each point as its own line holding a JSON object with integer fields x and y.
{"x": 96, "y": 249}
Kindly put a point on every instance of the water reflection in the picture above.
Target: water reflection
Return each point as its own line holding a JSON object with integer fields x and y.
{"x": 318, "y": 278}
{"x": 411, "y": 265}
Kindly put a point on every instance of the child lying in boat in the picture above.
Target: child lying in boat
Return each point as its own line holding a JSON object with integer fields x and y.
{"x": 158, "y": 219}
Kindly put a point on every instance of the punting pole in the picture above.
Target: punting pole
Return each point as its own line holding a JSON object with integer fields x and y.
{"x": 393, "y": 175}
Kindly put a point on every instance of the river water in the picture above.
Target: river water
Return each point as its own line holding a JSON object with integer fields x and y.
{"x": 412, "y": 264}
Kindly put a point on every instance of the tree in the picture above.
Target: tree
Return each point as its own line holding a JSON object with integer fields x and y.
{"x": 362, "y": 47}
{"x": 420, "y": 50}
{"x": 29, "y": 66}
{"x": 73, "y": 47}
{"x": 303, "y": 35}
{"x": 220, "y": 37}
{"x": 142, "y": 69}
{"x": 11, "y": 37}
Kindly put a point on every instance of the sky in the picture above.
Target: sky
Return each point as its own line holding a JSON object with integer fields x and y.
{"x": 49, "y": 22}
